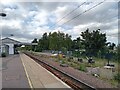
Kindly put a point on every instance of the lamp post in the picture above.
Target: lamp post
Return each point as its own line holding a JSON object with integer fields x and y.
{"x": 3, "y": 14}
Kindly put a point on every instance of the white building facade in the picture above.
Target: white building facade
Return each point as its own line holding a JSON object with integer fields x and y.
{"x": 7, "y": 46}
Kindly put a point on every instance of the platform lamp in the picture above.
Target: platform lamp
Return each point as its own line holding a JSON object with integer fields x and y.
{"x": 3, "y": 14}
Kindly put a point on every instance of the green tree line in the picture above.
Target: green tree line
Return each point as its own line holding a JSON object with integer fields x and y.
{"x": 94, "y": 43}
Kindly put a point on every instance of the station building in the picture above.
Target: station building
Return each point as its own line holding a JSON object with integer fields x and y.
{"x": 8, "y": 45}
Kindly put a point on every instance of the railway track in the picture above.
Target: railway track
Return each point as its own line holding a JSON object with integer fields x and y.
{"x": 73, "y": 82}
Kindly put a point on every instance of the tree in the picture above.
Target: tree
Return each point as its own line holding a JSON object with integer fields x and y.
{"x": 68, "y": 42}
{"x": 94, "y": 42}
{"x": 111, "y": 46}
{"x": 53, "y": 41}
{"x": 118, "y": 53}
{"x": 34, "y": 47}
{"x": 45, "y": 41}
{"x": 64, "y": 50}
{"x": 40, "y": 46}
{"x": 58, "y": 40}
{"x": 35, "y": 41}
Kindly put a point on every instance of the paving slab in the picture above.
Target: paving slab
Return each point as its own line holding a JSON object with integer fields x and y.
{"x": 13, "y": 74}
{"x": 39, "y": 77}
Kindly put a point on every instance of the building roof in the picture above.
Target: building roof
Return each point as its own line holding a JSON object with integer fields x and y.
{"x": 9, "y": 41}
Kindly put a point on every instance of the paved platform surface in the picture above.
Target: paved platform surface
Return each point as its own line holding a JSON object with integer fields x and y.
{"x": 13, "y": 74}
{"x": 38, "y": 76}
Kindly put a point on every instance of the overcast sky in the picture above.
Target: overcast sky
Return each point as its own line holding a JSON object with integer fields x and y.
{"x": 29, "y": 20}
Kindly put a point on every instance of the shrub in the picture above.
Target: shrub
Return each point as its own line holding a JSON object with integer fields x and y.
{"x": 63, "y": 62}
{"x": 72, "y": 64}
{"x": 82, "y": 67}
{"x": 3, "y": 54}
{"x": 117, "y": 77}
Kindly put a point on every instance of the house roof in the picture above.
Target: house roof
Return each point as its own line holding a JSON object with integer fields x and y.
{"x": 9, "y": 41}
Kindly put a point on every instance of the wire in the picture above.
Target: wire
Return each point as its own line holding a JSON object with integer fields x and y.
{"x": 114, "y": 35}
{"x": 68, "y": 14}
{"x": 84, "y": 12}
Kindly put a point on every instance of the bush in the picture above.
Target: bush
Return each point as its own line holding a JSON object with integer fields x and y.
{"x": 82, "y": 67}
{"x": 70, "y": 59}
{"x": 3, "y": 55}
{"x": 117, "y": 77}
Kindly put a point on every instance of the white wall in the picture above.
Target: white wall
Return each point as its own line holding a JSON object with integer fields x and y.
{"x": 11, "y": 48}
{"x": 2, "y": 49}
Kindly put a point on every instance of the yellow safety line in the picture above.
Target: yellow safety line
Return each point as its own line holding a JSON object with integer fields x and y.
{"x": 29, "y": 81}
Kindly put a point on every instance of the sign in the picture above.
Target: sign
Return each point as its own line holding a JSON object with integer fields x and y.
{"x": 34, "y": 43}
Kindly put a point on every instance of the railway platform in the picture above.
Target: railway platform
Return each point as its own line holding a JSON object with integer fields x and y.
{"x": 13, "y": 74}
{"x": 39, "y": 77}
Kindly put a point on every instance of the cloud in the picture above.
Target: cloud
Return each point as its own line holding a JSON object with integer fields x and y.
{"x": 29, "y": 20}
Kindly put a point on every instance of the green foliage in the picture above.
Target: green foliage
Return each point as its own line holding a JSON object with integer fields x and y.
{"x": 111, "y": 46}
{"x": 118, "y": 53}
{"x": 69, "y": 59}
{"x": 93, "y": 41}
{"x": 82, "y": 67}
{"x": 3, "y": 54}
{"x": 91, "y": 44}
{"x": 35, "y": 41}
{"x": 76, "y": 53}
{"x": 27, "y": 47}
{"x": 34, "y": 47}
{"x": 63, "y": 62}
{"x": 77, "y": 44}
{"x": 44, "y": 42}
{"x": 64, "y": 50}
{"x": 55, "y": 41}
{"x": 117, "y": 77}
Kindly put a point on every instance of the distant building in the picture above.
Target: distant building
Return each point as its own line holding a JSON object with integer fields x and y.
{"x": 8, "y": 45}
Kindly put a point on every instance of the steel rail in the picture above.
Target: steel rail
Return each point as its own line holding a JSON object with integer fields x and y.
{"x": 67, "y": 78}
